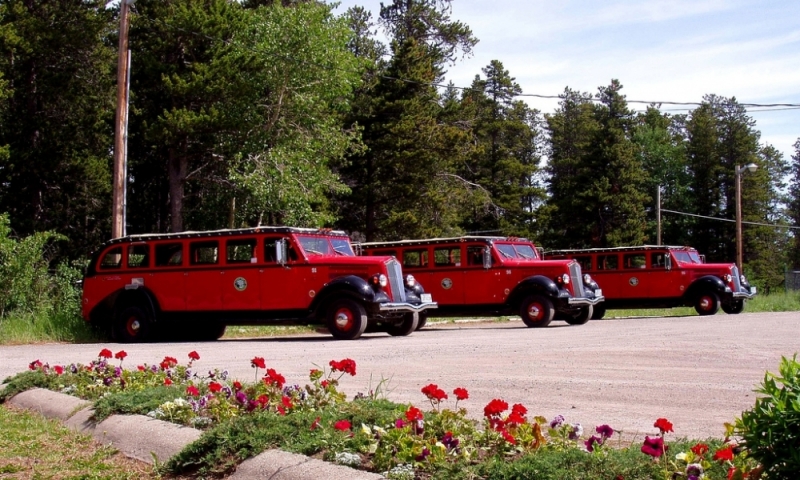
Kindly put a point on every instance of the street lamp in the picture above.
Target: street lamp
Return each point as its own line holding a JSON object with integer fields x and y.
{"x": 752, "y": 167}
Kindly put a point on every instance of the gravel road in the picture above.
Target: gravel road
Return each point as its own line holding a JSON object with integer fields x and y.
{"x": 699, "y": 372}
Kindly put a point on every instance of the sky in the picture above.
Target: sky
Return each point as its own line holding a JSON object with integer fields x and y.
{"x": 659, "y": 50}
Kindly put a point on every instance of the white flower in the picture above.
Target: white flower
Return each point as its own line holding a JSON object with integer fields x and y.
{"x": 347, "y": 458}
{"x": 681, "y": 456}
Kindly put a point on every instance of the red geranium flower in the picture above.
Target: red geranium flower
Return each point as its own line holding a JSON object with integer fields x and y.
{"x": 287, "y": 402}
{"x": 274, "y": 378}
{"x": 324, "y": 383}
{"x": 461, "y": 393}
{"x": 59, "y": 369}
{"x": 519, "y": 409}
{"x": 342, "y": 425}
{"x": 120, "y": 355}
{"x": 258, "y": 362}
{"x": 168, "y": 362}
{"x": 700, "y": 449}
{"x": 167, "y": 382}
{"x": 315, "y": 425}
{"x": 346, "y": 365}
{"x": 140, "y": 368}
{"x": 237, "y": 385}
{"x": 193, "y": 355}
{"x": 509, "y": 438}
{"x": 434, "y": 393}
{"x": 315, "y": 374}
{"x": 105, "y": 353}
{"x": 654, "y": 446}
{"x": 726, "y": 454}
{"x": 664, "y": 425}
{"x": 214, "y": 387}
{"x": 192, "y": 391}
{"x": 413, "y": 413}
{"x": 495, "y": 407}
{"x": 262, "y": 400}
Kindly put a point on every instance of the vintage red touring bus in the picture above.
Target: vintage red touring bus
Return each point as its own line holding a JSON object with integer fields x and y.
{"x": 651, "y": 276}
{"x": 490, "y": 276}
{"x": 199, "y": 282}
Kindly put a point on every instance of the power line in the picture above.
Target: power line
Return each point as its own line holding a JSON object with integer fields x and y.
{"x": 729, "y": 220}
{"x": 769, "y": 107}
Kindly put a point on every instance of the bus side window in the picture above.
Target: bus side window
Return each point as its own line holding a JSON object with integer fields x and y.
{"x": 657, "y": 260}
{"x": 204, "y": 253}
{"x": 112, "y": 259}
{"x": 607, "y": 262}
{"x": 415, "y": 258}
{"x": 138, "y": 256}
{"x": 475, "y": 256}
{"x": 169, "y": 254}
{"x": 585, "y": 263}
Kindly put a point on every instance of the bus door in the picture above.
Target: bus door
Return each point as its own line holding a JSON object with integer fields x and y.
{"x": 168, "y": 277}
{"x": 241, "y": 280}
{"x": 204, "y": 276}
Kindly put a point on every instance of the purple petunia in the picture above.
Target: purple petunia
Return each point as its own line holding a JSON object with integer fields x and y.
{"x": 590, "y": 444}
{"x": 577, "y": 431}
{"x": 241, "y": 397}
{"x": 605, "y": 431}
{"x": 557, "y": 422}
{"x": 422, "y": 456}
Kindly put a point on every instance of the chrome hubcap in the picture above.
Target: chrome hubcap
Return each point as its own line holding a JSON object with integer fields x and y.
{"x": 342, "y": 320}
{"x": 534, "y": 311}
{"x": 135, "y": 325}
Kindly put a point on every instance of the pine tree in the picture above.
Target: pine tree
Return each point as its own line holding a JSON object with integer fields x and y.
{"x": 57, "y": 63}
{"x": 793, "y": 207}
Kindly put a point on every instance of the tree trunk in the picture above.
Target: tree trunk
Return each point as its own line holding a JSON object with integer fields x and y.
{"x": 177, "y": 179}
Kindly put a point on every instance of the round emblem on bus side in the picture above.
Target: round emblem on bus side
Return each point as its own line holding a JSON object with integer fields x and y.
{"x": 240, "y": 284}
{"x": 633, "y": 281}
{"x": 447, "y": 283}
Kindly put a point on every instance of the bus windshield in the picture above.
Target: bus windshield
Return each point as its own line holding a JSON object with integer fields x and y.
{"x": 519, "y": 251}
{"x": 689, "y": 256}
{"x": 315, "y": 245}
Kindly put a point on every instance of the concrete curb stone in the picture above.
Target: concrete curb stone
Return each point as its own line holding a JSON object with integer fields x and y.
{"x": 147, "y": 439}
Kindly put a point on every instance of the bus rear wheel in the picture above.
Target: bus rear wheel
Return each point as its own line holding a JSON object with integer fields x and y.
{"x": 133, "y": 324}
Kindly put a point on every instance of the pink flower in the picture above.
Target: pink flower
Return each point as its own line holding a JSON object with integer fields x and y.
{"x": 342, "y": 425}
{"x": 461, "y": 393}
{"x": 105, "y": 353}
{"x": 193, "y": 355}
{"x": 191, "y": 390}
{"x": 654, "y": 446}
{"x": 664, "y": 425}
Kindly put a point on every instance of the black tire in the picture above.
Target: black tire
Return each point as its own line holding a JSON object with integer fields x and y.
{"x": 404, "y": 328}
{"x": 582, "y": 317}
{"x": 537, "y": 311}
{"x": 346, "y": 319}
{"x": 133, "y": 324}
{"x": 423, "y": 319}
{"x": 599, "y": 312}
{"x": 209, "y": 332}
{"x": 736, "y": 306}
{"x": 707, "y": 304}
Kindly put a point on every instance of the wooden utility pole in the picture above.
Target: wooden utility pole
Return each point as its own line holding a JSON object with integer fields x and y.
{"x": 121, "y": 124}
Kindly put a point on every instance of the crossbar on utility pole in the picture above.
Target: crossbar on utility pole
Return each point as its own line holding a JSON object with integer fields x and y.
{"x": 120, "y": 124}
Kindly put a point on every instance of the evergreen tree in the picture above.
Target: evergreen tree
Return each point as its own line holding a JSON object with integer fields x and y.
{"x": 399, "y": 182}
{"x": 58, "y": 65}
{"x": 597, "y": 179}
{"x": 793, "y": 207}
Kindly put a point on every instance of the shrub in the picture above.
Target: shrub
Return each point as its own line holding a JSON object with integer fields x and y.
{"x": 771, "y": 429}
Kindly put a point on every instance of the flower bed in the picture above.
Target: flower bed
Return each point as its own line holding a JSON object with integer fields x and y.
{"x": 241, "y": 418}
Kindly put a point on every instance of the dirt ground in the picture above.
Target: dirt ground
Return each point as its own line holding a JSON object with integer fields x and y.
{"x": 698, "y": 372}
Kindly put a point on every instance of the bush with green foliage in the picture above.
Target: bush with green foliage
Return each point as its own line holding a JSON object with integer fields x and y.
{"x": 771, "y": 429}
{"x": 30, "y": 293}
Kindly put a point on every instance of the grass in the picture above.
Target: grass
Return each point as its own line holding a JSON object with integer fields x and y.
{"x": 34, "y": 447}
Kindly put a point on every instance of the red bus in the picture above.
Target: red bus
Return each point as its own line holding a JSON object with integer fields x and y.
{"x": 490, "y": 276}
{"x": 650, "y": 276}
{"x": 196, "y": 283}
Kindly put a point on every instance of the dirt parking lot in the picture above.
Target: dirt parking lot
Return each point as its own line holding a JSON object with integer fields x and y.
{"x": 699, "y": 372}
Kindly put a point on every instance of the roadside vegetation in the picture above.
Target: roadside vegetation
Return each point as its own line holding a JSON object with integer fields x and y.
{"x": 432, "y": 438}
{"x": 35, "y": 447}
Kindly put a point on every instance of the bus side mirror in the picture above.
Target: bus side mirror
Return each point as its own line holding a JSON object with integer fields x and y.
{"x": 281, "y": 251}
{"x": 487, "y": 258}
{"x": 668, "y": 262}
